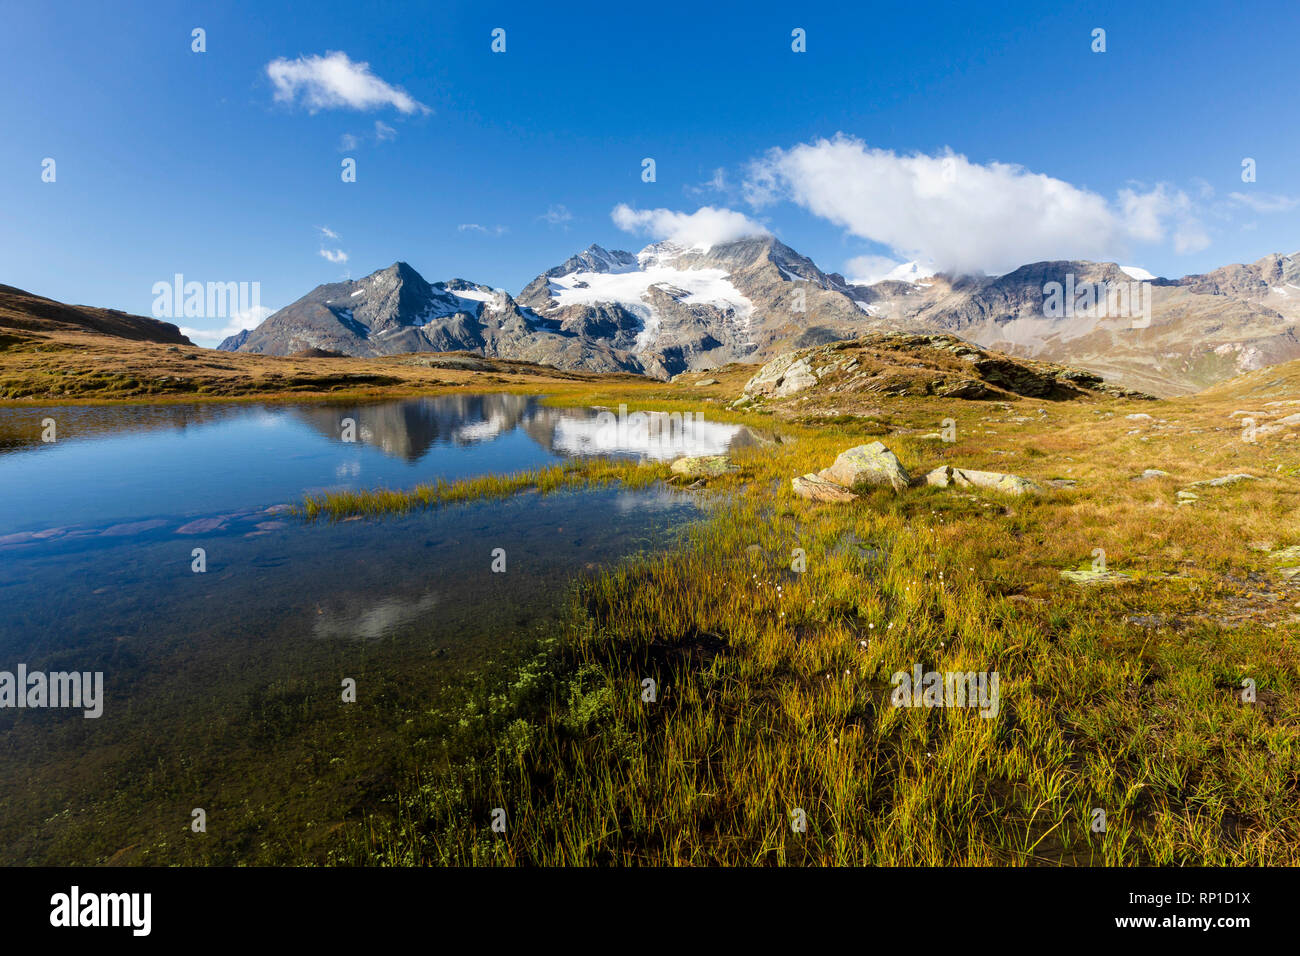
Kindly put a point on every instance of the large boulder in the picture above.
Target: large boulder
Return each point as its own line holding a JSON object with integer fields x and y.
{"x": 947, "y": 476}
{"x": 702, "y": 466}
{"x": 867, "y": 465}
{"x": 782, "y": 376}
{"x": 817, "y": 488}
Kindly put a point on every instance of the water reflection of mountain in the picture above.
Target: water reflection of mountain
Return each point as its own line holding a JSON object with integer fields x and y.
{"x": 404, "y": 429}
{"x": 21, "y": 427}
{"x": 408, "y": 429}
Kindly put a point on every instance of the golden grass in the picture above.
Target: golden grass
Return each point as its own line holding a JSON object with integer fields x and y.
{"x": 587, "y": 473}
{"x": 773, "y": 685}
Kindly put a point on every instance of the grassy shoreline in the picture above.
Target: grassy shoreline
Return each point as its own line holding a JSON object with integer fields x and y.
{"x": 773, "y": 686}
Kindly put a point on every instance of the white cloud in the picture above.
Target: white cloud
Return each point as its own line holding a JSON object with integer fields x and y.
{"x": 327, "y": 232}
{"x": 475, "y": 227}
{"x": 384, "y": 132}
{"x": 556, "y": 215}
{"x": 348, "y": 142}
{"x": 247, "y": 319}
{"x": 1149, "y": 216}
{"x": 336, "y": 256}
{"x": 706, "y": 227}
{"x": 334, "y": 81}
{"x": 717, "y": 183}
{"x": 864, "y": 270}
{"x": 1265, "y": 202}
{"x": 965, "y": 217}
{"x": 1190, "y": 236}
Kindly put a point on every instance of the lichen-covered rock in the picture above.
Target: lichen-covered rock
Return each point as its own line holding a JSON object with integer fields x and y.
{"x": 1094, "y": 576}
{"x": 947, "y": 476}
{"x": 1288, "y": 561}
{"x": 817, "y": 488}
{"x": 1224, "y": 480}
{"x": 867, "y": 465}
{"x": 703, "y": 466}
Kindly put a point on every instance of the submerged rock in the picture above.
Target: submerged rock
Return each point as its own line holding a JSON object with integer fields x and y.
{"x": 865, "y": 465}
{"x": 817, "y": 488}
{"x": 947, "y": 476}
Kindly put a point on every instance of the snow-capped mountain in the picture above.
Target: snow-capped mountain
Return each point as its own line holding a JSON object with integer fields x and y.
{"x": 395, "y": 311}
{"x": 670, "y": 308}
{"x": 681, "y": 308}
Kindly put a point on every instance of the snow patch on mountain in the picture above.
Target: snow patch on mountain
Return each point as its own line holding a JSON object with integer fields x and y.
{"x": 629, "y": 289}
{"x": 1136, "y": 272}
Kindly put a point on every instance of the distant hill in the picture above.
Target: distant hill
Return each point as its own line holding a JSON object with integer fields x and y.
{"x": 28, "y": 312}
{"x": 1277, "y": 386}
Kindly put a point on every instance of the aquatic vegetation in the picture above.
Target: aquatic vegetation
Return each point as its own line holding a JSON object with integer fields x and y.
{"x": 589, "y": 473}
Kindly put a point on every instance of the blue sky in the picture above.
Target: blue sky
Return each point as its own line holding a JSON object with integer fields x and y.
{"x": 170, "y": 161}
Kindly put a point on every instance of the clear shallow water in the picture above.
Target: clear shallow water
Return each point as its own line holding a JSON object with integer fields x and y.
{"x": 222, "y": 689}
{"x": 120, "y": 464}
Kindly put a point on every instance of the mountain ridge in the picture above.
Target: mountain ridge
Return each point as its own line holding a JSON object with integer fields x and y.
{"x": 672, "y": 308}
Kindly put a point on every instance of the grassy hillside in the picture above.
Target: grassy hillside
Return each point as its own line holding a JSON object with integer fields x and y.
{"x": 26, "y": 312}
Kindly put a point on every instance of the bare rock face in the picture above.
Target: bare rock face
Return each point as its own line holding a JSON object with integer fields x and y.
{"x": 817, "y": 488}
{"x": 783, "y": 376}
{"x": 867, "y": 465}
{"x": 946, "y": 476}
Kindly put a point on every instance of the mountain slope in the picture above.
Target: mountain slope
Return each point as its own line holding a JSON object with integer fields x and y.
{"x": 28, "y": 312}
{"x": 395, "y": 311}
{"x": 1200, "y": 329}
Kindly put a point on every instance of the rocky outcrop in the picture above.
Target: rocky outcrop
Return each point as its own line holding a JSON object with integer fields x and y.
{"x": 783, "y": 376}
{"x": 817, "y": 488}
{"x": 947, "y": 476}
{"x": 896, "y": 363}
{"x": 1223, "y": 480}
